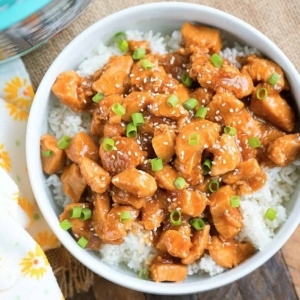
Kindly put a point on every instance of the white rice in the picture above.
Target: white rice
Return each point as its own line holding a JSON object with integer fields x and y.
{"x": 135, "y": 251}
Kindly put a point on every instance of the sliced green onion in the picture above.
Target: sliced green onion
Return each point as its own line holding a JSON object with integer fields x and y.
{"x": 262, "y": 94}
{"x": 65, "y": 224}
{"x": 143, "y": 274}
{"x": 194, "y": 139}
{"x": 123, "y": 45}
{"x": 206, "y": 166}
{"x": 234, "y": 201}
{"x": 131, "y": 130}
{"x": 254, "y": 142}
{"x": 146, "y": 64}
{"x": 108, "y": 144}
{"x": 230, "y": 130}
{"x": 213, "y": 185}
{"x": 139, "y": 53}
{"x": 47, "y": 153}
{"x": 82, "y": 242}
{"x": 179, "y": 183}
{"x": 120, "y": 36}
{"x": 173, "y": 100}
{"x": 118, "y": 109}
{"x": 64, "y": 142}
{"x": 75, "y": 212}
{"x": 274, "y": 79}
{"x": 156, "y": 164}
{"x": 175, "y": 217}
{"x": 137, "y": 119}
{"x": 201, "y": 112}
{"x": 216, "y": 60}
{"x": 186, "y": 79}
{"x": 197, "y": 223}
{"x": 98, "y": 97}
{"x": 125, "y": 216}
{"x": 271, "y": 214}
{"x": 190, "y": 104}
{"x": 86, "y": 214}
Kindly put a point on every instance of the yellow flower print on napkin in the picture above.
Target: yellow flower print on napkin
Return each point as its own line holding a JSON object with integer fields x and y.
{"x": 4, "y": 159}
{"x": 27, "y": 207}
{"x": 35, "y": 264}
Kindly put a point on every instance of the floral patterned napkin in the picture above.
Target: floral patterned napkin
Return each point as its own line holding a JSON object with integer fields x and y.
{"x": 25, "y": 272}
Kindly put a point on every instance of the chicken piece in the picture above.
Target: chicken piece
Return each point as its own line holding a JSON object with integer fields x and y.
{"x": 94, "y": 175}
{"x": 175, "y": 243}
{"x": 163, "y": 142}
{"x": 285, "y": 149}
{"x": 154, "y": 79}
{"x": 200, "y": 240}
{"x": 73, "y": 183}
{"x": 204, "y": 132}
{"x": 244, "y": 171}
{"x": 201, "y": 37}
{"x": 123, "y": 197}
{"x": 190, "y": 202}
{"x": 101, "y": 113}
{"x": 82, "y": 145}
{"x": 203, "y": 95}
{"x": 187, "y": 167}
{"x": 73, "y": 90}
{"x": 115, "y": 228}
{"x": 133, "y": 45}
{"x": 273, "y": 109}
{"x": 229, "y": 253}
{"x": 226, "y": 155}
{"x": 126, "y": 153}
{"x": 168, "y": 272}
{"x": 110, "y": 130}
{"x": 246, "y": 151}
{"x": 165, "y": 178}
{"x": 115, "y": 76}
{"x": 269, "y": 133}
{"x": 227, "y": 219}
{"x": 81, "y": 228}
{"x": 136, "y": 182}
{"x": 135, "y": 102}
{"x": 261, "y": 69}
{"x": 251, "y": 185}
{"x": 53, "y": 158}
{"x": 153, "y": 213}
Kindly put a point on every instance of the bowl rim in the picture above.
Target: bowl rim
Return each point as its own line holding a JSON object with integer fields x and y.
{"x": 90, "y": 261}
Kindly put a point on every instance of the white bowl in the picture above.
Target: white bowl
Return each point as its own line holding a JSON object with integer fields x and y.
{"x": 163, "y": 17}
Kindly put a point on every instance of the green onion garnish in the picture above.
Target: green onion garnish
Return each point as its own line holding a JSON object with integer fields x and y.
{"x": 108, "y": 144}
{"x": 98, "y": 97}
{"x": 197, "y": 223}
{"x": 75, "y": 212}
{"x": 262, "y": 94}
{"x": 131, "y": 130}
{"x": 120, "y": 39}
{"x": 230, "y": 130}
{"x": 64, "y": 142}
{"x": 86, "y": 214}
{"x": 201, "y": 112}
{"x": 65, "y": 224}
{"x": 186, "y": 79}
{"x": 213, "y": 185}
{"x": 194, "y": 139}
{"x": 137, "y": 119}
{"x": 118, "y": 109}
{"x": 143, "y": 274}
{"x": 146, "y": 64}
{"x": 179, "y": 183}
{"x": 206, "y": 166}
{"x": 216, "y": 60}
{"x": 190, "y": 104}
{"x": 156, "y": 164}
{"x": 234, "y": 201}
{"x": 175, "y": 217}
{"x": 274, "y": 79}
{"x": 123, "y": 46}
{"x": 270, "y": 214}
{"x": 125, "y": 216}
{"x": 82, "y": 242}
{"x": 173, "y": 100}
{"x": 47, "y": 153}
{"x": 254, "y": 142}
{"x": 139, "y": 53}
